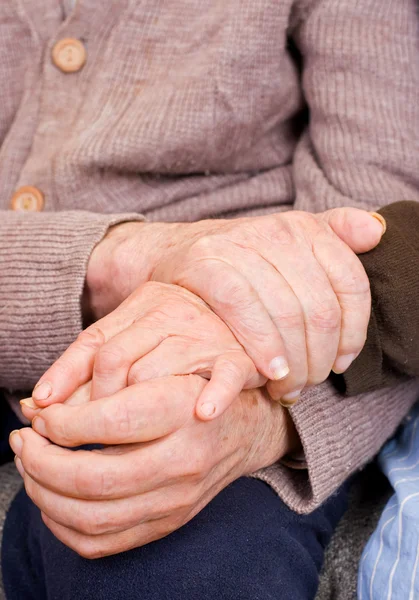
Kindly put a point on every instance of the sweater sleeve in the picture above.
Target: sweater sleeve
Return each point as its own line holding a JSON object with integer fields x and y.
{"x": 391, "y": 352}
{"x": 361, "y": 82}
{"x": 43, "y": 263}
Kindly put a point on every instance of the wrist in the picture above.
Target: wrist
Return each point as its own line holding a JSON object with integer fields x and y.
{"x": 274, "y": 435}
{"x": 122, "y": 261}
{"x": 106, "y": 284}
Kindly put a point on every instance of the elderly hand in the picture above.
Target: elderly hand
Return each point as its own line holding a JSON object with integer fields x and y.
{"x": 289, "y": 286}
{"x": 159, "y": 330}
{"x": 162, "y": 465}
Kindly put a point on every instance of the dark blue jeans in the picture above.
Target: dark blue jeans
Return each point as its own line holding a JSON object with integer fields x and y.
{"x": 245, "y": 545}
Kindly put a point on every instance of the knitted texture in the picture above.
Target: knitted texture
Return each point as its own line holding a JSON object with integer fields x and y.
{"x": 339, "y": 577}
{"x": 188, "y": 110}
{"x": 391, "y": 352}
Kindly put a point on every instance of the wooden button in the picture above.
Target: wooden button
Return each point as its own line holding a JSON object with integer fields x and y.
{"x": 28, "y": 198}
{"x": 69, "y": 55}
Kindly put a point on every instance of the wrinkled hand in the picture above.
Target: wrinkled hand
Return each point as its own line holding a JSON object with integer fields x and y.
{"x": 162, "y": 467}
{"x": 160, "y": 330}
{"x": 288, "y": 285}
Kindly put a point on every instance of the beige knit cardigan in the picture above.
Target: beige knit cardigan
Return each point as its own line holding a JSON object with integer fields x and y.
{"x": 192, "y": 109}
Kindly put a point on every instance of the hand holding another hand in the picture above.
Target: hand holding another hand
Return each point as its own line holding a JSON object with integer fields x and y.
{"x": 297, "y": 293}
{"x": 289, "y": 287}
{"x": 160, "y": 467}
{"x": 160, "y": 330}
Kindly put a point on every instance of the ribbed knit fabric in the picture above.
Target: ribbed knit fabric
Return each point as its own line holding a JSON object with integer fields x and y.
{"x": 43, "y": 268}
{"x": 187, "y": 110}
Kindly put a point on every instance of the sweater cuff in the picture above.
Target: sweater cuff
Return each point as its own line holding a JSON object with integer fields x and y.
{"x": 43, "y": 263}
{"x": 339, "y": 436}
{"x": 365, "y": 373}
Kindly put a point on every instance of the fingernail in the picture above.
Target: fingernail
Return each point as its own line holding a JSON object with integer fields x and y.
{"x": 279, "y": 368}
{"x": 39, "y": 426}
{"x": 343, "y": 363}
{"x": 19, "y": 466}
{"x": 381, "y": 219}
{"x": 290, "y": 399}
{"x": 29, "y": 403}
{"x": 208, "y": 409}
{"x": 42, "y": 391}
{"x": 16, "y": 442}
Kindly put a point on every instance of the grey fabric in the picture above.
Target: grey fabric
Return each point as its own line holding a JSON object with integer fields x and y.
{"x": 369, "y": 495}
{"x": 338, "y": 580}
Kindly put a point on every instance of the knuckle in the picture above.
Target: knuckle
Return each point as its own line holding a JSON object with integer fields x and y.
{"x": 196, "y": 467}
{"x": 103, "y": 522}
{"x": 84, "y": 483}
{"x": 234, "y": 370}
{"x": 180, "y": 503}
{"x": 91, "y": 483}
{"x": 185, "y": 501}
{"x": 278, "y": 230}
{"x": 82, "y": 523}
{"x": 152, "y": 288}
{"x": 352, "y": 280}
{"x": 230, "y": 294}
{"x": 31, "y": 463}
{"x": 326, "y": 317}
{"x": 190, "y": 311}
{"x": 92, "y": 523}
{"x": 109, "y": 359}
{"x": 293, "y": 319}
{"x": 123, "y": 419}
{"x": 304, "y": 226}
{"x": 92, "y": 337}
{"x": 57, "y": 428}
{"x": 176, "y": 522}
{"x": 140, "y": 372}
{"x": 89, "y": 548}
{"x": 203, "y": 247}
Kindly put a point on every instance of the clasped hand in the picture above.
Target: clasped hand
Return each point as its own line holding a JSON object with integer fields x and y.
{"x": 281, "y": 298}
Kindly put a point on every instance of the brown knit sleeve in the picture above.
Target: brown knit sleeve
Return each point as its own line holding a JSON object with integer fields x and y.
{"x": 43, "y": 262}
{"x": 391, "y": 353}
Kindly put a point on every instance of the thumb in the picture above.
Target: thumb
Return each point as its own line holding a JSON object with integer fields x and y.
{"x": 80, "y": 396}
{"x": 359, "y": 229}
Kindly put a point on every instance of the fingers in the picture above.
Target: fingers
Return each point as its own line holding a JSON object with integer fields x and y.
{"x": 75, "y": 366}
{"x": 351, "y": 286}
{"x": 287, "y": 313}
{"x": 139, "y": 413}
{"x": 360, "y": 230}
{"x": 232, "y": 297}
{"x": 91, "y": 542}
{"x": 114, "y": 360}
{"x": 93, "y": 547}
{"x": 94, "y": 518}
{"x": 321, "y": 318}
{"x": 91, "y": 475}
{"x": 229, "y": 371}
{"x": 230, "y": 375}
{"x": 80, "y": 396}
